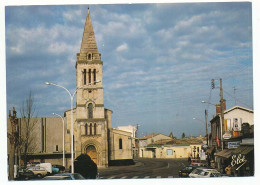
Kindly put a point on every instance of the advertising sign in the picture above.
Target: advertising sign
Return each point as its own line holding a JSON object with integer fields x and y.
{"x": 236, "y": 124}
{"x": 227, "y": 135}
{"x": 233, "y": 144}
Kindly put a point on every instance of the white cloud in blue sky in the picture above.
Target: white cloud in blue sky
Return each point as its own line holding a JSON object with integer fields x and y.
{"x": 158, "y": 59}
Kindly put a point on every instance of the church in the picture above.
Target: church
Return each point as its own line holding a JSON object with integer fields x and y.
{"x": 92, "y": 124}
{"x": 93, "y": 128}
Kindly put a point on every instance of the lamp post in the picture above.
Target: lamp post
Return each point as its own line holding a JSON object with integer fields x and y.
{"x": 63, "y": 153}
{"x": 137, "y": 140}
{"x": 71, "y": 108}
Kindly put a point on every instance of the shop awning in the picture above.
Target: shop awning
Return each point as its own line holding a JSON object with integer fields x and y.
{"x": 243, "y": 150}
{"x": 209, "y": 150}
{"x": 226, "y": 153}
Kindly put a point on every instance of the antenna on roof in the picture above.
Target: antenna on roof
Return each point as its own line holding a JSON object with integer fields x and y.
{"x": 234, "y": 88}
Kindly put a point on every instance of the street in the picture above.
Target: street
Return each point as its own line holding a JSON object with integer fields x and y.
{"x": 145, "y": 168}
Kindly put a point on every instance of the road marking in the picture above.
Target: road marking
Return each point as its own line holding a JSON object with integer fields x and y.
{"x": 135, "y": 177}
{"x": 124, "y": 177}
{"x": 159, "y": 177}
{"x": 146, "y": 177}
{"x": 112, "y": 177}
{"x": 168, "y": 165}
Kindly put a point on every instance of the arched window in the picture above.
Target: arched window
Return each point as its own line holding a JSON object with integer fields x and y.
{"x": 89, "y": 76}
{"x": 90, "y": 129}
{"x": 90, "y": 110}
{"x": 95, "y": 129}
{"x": 86, "y": 129}
{"x": 120, "y": 144}
{"x": 89, "y": 56}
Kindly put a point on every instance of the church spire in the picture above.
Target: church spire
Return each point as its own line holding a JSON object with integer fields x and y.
{"x": 89, "y": 49}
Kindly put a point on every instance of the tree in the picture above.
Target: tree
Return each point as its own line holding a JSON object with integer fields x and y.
{"x": 171, "y": 135}
{"x": 13, "y": 140}
{"x": 85, "y": 166}
{"x": 28, "y": 123}
{"x": 183, "y": 135}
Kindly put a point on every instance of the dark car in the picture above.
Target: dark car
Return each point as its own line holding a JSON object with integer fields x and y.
{"x": 25, "y": 174}
{"x": 187, "y": 170}
{"x": 71, "y": 176}
{"x": 65, "y": 176}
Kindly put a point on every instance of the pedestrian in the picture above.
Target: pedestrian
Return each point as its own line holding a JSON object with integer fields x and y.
{"x": 228, "y": 170}
{"x": 189, "y": 159}
{"x": 208, "y": 159}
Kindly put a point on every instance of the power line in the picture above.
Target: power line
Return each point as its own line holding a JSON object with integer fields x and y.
{"x": 237, "y": 99}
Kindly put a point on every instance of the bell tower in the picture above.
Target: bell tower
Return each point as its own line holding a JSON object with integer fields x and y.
{"x": 91, "y": 125}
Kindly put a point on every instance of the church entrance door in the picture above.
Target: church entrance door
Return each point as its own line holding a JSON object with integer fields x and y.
{"x": 92, "y": 152}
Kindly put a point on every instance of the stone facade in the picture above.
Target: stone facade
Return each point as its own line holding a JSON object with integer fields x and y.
{"x": 121, "y": 145}
{"x": 46, "y": 140}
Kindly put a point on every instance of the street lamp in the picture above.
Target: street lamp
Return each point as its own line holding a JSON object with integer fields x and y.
{"x": 71, "y": 108}
{"x": 63, "y": 154}
{"x": 208, "y": 103}
{"x": 198, "y": 119}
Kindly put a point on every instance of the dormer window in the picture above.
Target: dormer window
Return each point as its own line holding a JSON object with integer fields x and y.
{"x": 89, "y": 56}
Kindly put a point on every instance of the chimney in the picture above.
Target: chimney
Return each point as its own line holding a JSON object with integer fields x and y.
{"x": 218, "y": 107}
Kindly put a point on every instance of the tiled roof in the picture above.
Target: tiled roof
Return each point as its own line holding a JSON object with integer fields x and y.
{"x": 243, "y": 150}
{"x": 150, "y": 136}
{"x": 177, "y": 141}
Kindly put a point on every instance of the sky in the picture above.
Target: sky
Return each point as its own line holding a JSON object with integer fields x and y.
{"x": 158, "y": 60}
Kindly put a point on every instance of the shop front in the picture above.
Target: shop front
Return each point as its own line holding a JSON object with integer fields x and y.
{"x": 223, "y": 159}
{"x": 242, "y": 161}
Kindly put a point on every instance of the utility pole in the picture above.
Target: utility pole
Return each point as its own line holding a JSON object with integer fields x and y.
{"x": 206, "y": 125}
{"x": 222, "y": 112}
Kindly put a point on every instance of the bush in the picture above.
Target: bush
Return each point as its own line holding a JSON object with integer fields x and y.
{"x": 85, "y": 166}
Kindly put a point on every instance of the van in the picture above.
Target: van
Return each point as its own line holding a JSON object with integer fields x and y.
{"x": 47, "y": 166}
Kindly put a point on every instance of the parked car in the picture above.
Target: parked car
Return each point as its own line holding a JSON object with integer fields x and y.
{"x": 32, "y": 164}
{"x": 25, "y": 174}
{"x": 57, "y": 178}
{"x": 60, "y": 168}
{"x": 184, "y": 172}
{"x": 202, "y": 173}
{"x": 72, "y": 176}
{"x": 47, "y": 166}
{"x": 38, "y": 171}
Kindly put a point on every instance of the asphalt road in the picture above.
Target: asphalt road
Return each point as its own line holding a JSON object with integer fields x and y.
{"x": 145, "y": 168}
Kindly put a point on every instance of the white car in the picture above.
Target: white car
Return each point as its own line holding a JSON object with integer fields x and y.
{"x": 38, "y": 171}
{"x": 202, "y": 173}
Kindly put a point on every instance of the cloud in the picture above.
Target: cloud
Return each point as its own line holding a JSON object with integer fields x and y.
{"x": 157, "y": 59}
{"x": 72, "y": 15}
{"x": 123, "y": 47}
